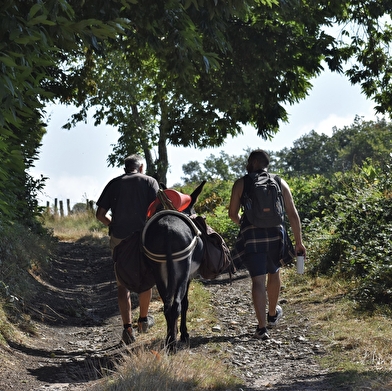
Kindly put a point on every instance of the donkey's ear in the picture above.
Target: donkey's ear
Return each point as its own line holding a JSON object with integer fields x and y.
{"x": 197, "y": 192}
{"x": 162, "y": 186}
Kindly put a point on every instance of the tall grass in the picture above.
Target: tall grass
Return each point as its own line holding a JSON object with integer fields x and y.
{"x": 151, "y": 370}
{"x": 149, "y": 367}
{"x": 74, "y": 226}
{"x": 358, "y": 344}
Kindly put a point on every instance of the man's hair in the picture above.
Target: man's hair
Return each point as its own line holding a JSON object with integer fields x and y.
{"x": 257, "y": 160}
{"x": 133, "y": 162}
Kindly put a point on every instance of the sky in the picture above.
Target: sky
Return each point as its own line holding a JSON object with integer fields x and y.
{"x": 75, "y": 160}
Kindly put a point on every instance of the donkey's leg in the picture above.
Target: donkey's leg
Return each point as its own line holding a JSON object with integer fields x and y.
{"x": 184, "y": 309}
{"x": 177, "y": 307}
{"x": 160, "y": 275}
{"x": 172, "y": 312}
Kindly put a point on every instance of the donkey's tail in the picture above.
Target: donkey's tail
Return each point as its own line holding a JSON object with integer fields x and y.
{"x": 171, "y": 285}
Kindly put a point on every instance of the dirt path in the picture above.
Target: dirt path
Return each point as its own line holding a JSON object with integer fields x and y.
{"x": 78, "y": 332}
{"x": 76, "y": 321}
{"x": 287, "y": 361}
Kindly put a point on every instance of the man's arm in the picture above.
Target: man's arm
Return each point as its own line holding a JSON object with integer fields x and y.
{"x": 293, "y": 216}
{"x": 235, "y": 201}
{"x": 102, "y": 216}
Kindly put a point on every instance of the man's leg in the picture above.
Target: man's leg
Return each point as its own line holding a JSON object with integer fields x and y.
{"x": 123, "y": 294}
{"x": 144, "y": 302}
{"x": 259, "y": 296}
{"x": 124, "y": 304}
{"x": 273, "y": 289}
{"x": 145, "y": 321}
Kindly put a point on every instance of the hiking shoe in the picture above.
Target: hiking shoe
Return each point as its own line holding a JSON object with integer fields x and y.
{"x": 127, "y": 336}
{"x": 144, "y": 324}
{"x": 261, "y": 333}
{"x": 273, "y": 320}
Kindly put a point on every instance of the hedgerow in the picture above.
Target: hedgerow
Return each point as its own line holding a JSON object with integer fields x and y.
{"x": 348, "y": 230}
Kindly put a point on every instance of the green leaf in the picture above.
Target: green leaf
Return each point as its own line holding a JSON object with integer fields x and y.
{"x": 37, "y": 20}
{"x": 8, "y": 61}
{"x": 34, "y": 9}
{"x": 9, "y": 84}
{"x": 26, "y": 39}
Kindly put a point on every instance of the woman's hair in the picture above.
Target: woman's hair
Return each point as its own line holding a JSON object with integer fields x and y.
{"x": 133, "y": 162}
{"x": 257, "y": 160}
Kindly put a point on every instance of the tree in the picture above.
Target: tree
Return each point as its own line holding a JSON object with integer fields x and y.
{"x": 365, "y": 45}
{"x": 361, "y": 141}
{"x": 348, "y": 147}
{"x": 204, "y": 102}
{"x": 143, "y": 101}
{"x": 223, "y": 167}
{"x": 36, "y": 40}
{"x": 247, "y": 60}
{"x": 212, "y": 66}
{"x": 147, "y": 77}
{"x": 310, "y": 154}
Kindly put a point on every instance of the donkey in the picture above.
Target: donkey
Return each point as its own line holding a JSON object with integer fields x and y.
{"x": 174, "y": 250}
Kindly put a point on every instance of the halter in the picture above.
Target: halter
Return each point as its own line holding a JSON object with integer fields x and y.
{"x": 177, "y": 256}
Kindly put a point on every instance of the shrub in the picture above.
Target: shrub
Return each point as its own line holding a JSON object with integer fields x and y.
{"x": 351, "y": 237}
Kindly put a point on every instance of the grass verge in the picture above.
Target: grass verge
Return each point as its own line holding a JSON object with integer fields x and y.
{"x": 149, "y": 367}
{"x": 358, "y": 344}
{"x": 74, "y": 226}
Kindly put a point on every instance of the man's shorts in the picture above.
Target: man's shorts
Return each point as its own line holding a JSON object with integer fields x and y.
{"x": 259, "y": 264}
{"x": 113, "y": 242}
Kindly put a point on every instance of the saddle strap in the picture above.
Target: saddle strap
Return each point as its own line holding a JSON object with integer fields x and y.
{"x": 178, "y": 256}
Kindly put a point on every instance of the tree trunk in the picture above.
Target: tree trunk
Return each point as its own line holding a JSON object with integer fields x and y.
{"x": 163, "y": 162}
{"x": 150, "y": 169}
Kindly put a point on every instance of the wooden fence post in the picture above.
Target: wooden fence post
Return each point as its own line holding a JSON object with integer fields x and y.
{"x": 61, "y": 209}
{"x": 69, "y": 207}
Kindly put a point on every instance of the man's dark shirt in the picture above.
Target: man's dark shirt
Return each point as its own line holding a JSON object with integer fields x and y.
{"x": 128, "y": 197}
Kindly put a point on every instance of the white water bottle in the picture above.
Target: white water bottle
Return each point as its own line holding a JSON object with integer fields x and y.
{"x": 300, "y": 263}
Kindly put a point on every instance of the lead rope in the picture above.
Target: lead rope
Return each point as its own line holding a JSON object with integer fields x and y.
{"x": 165, "y": 200}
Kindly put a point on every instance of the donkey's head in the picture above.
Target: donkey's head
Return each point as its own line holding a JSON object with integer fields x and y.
{"x": 189, "y": 209}
{"x": 194, "y": 196}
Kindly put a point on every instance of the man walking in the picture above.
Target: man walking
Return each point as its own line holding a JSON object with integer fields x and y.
{"x": 128, "y": 198}
{"x": 263, "y": 247}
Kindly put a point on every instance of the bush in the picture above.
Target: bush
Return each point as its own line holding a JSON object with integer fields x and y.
{"x": 351, "y": 236}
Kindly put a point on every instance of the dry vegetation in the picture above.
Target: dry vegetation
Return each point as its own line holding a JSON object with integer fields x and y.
{"x": 148, "y": 367}
{"x": 151, "y": 370}
{"x": 358, "y": 343}
{"x": 74, "y": 226}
